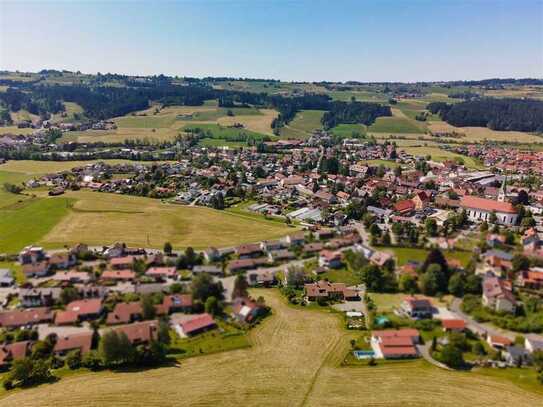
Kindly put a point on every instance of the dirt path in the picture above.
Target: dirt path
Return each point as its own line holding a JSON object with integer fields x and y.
{"x": 295, "y": 360}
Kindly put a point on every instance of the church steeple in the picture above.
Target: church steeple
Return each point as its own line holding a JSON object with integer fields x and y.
{"x": 502, "y": 194}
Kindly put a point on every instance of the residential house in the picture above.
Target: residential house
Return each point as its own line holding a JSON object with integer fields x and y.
{"x": 395, "y": 344}
{"x": 195, "y": 325}
{"x": 404, "y": 207}
{"x": 331, "y": 259}
{"x": 125, "y": 313}
{"x": 118, "y": 275}
{"x": 327, "y": 290}
{"x": 87, "y": 309}
{"x": 453, "y": 325}
{"x": 139, "y": 333}
{"x": 6, "y": 279}
{"x": 533, "y": 343}
{"x": 497, "y": 295}
{"x": 208, "y": 269}
{"x": 498, "y": 342}
{"x": 38, "y": 297}
{"x": 246, "y": 309}
{"x": 28, "y": 317}
{"x": 14, "y": 351}
{"x": 162, "y": 273}
{"x": 177, "y": 303}
{"x": 417, "y": 308}
{"x": 80, "y": 341}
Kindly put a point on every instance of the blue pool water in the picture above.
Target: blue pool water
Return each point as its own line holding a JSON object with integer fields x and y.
{"x": 381, "y": 320}
{"x": 363, "y": 354}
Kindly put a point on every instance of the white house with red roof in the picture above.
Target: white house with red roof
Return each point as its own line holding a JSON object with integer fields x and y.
{"x": 395, "y": 344}
{"x": 195, "y": 325}
{"x": 480, "y": 209}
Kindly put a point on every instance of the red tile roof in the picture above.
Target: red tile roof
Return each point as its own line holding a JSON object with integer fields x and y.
{"x": 25, "y": 317}
{"x": 453, "y": 324}
{"x": 197, "y": 323}
{"x": 123, "y": 313}
{"x": 85, "y": 307}
{"x": 475, "y": 202}
{"x": 139, "y": 332}
{"x": 66, "y": 317}
{"x": 118, "y": 275}
{"x": 81, "y": 341}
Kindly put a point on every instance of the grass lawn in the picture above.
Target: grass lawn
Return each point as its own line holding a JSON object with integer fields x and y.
{"x": 227, "y": 338}
{"x": 394, "y": 125}
{"x": 376, "y": 163}
{"x": 341, "y": 275}
{"x": 296, "y": 359}
{"x": 28, "y": 222}
{"x": 405, "y": 254}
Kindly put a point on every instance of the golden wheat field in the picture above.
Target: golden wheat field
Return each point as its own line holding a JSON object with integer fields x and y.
{"x": 294, "y": 361}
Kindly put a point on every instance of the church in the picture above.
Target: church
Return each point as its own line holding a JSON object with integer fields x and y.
{"x": 480, "y": 209}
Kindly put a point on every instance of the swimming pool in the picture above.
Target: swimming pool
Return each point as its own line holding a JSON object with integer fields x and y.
{"x": 363, "y": 354}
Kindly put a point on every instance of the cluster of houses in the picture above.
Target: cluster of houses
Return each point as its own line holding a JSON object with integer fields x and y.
{"x": 99, "y": 285}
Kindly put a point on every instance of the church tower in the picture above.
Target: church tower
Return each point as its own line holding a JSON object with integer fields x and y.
{"x": 502, "y": 194}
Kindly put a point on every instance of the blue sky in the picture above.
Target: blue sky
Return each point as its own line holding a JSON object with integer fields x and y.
{"x": 290, "y": 40}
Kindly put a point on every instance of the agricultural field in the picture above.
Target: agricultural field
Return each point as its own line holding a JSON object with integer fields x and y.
{"x": 288, "y": 364}
{"x": 36, "y": 168}
{"x": 54, "y": 222}
{"x": 303, "y": 125}
{"x": 349, "y": 130}
{"x": 128, "y": 219}
{"x": 395, "y": 125}
{"x": 27, "y": 222}
{"x": 259, "y": 123}
{"x": 215, "y": 131}
{"x": 15, "y": 130}
{"x": 439, "y": 155}
{"x": 165, "y": 123}
{"x": 480, "y": 134}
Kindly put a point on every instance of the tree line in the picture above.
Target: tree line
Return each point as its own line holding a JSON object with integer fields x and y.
{"x": 496, "y": 114}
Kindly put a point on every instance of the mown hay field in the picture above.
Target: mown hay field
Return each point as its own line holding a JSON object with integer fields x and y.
{"x": 46, "y": 167}
{"x": 294, "y": 361}
{"x": 260, "y": 123}
{"x": 479, "y": 134}
{"x": 101, "y": 218}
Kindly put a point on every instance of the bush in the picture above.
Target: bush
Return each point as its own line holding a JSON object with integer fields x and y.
{"x": 73, "y": 360}
{"x": 91, "y": 360}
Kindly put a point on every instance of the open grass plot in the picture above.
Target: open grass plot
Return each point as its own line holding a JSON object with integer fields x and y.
{"x": 303, "y": 125}
{"x": 100, "y": 218}
{"x": 294, "y": 361}
{"x": 36, "y": 168}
